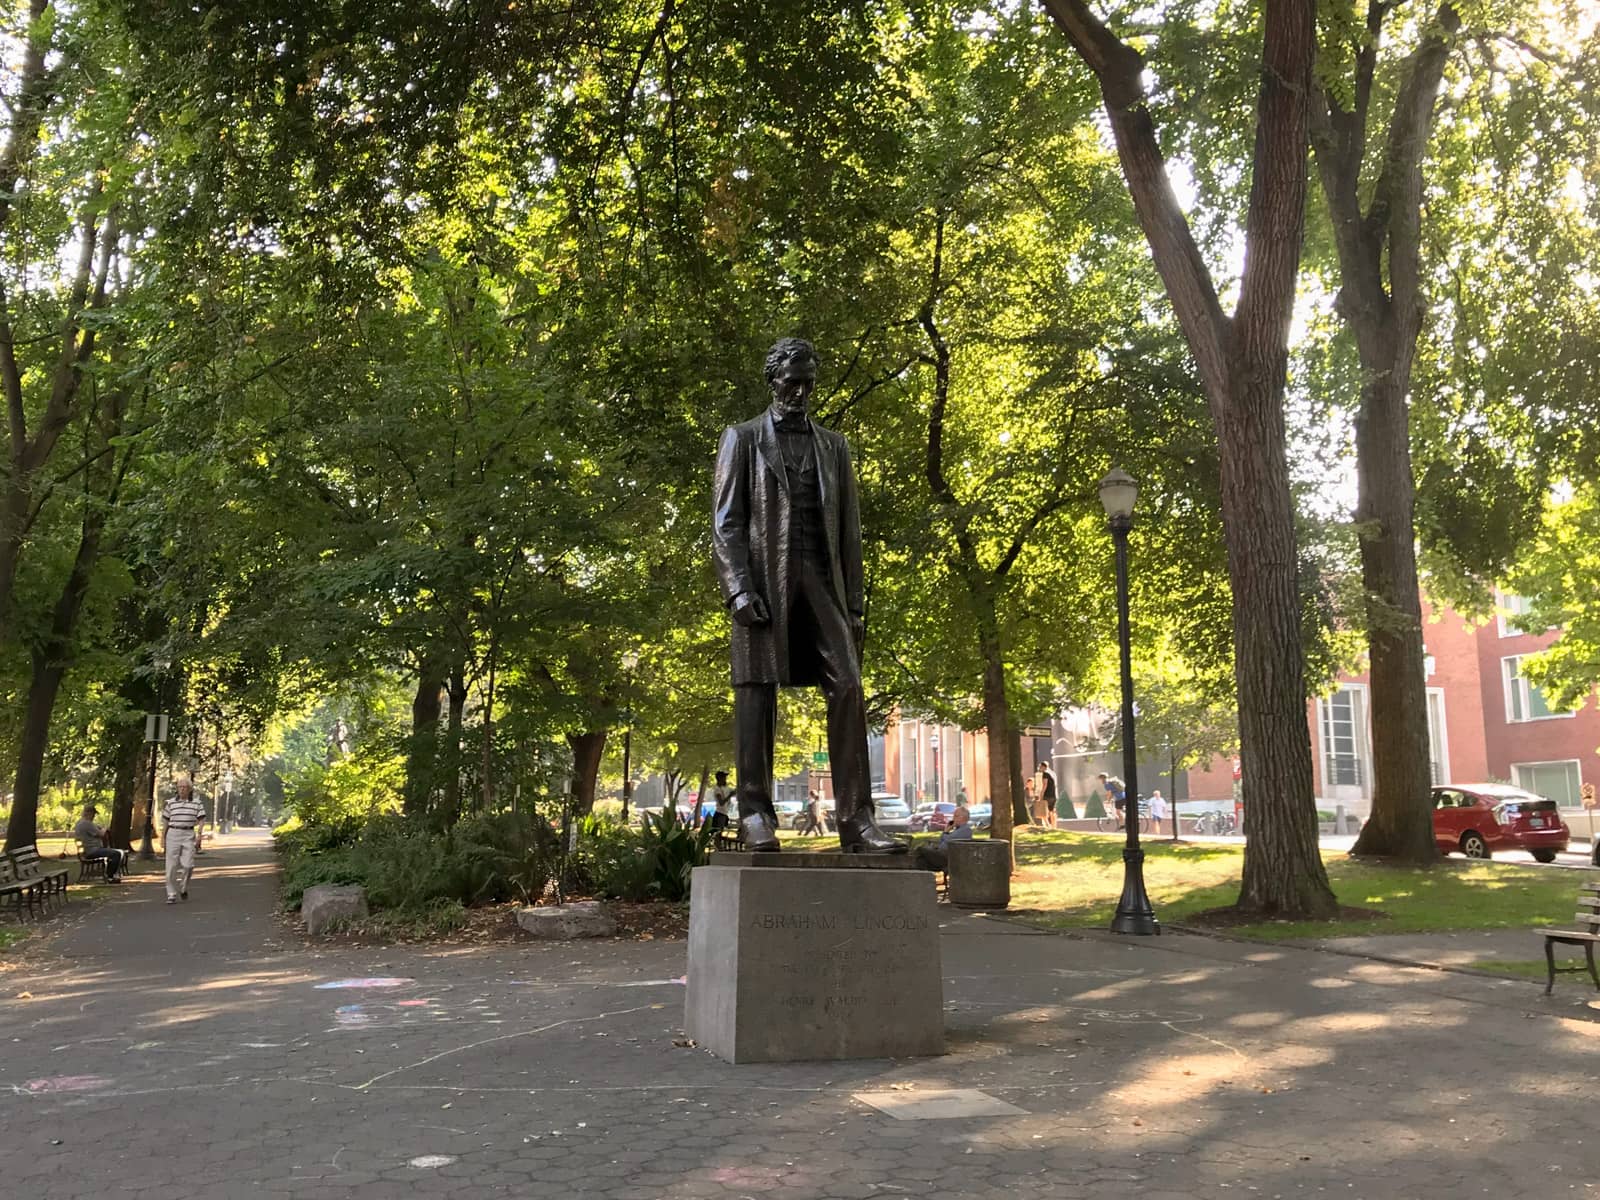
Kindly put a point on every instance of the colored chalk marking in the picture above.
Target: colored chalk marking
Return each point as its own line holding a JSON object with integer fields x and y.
{"x": 381, "y": 981}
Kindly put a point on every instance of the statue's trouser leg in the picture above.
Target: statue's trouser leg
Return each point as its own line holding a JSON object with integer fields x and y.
{"x": 755, "y": 727}
{"x": 840, "y": 677}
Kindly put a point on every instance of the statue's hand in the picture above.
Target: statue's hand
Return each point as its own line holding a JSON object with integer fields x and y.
{"x": 748, "y": 610}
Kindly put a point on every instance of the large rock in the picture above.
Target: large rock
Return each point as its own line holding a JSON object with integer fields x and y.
{"x": 326, "y": 903}
{"x": 580, "y": 919}
{"x": 823, "y": 963}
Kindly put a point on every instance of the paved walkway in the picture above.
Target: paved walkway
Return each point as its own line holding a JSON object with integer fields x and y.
{"x": 202, "y": 1051}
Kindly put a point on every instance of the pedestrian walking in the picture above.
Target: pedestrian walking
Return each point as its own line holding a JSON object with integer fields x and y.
{"x": 1158, "y": 811}
{"x": 816, "y": 823}
{"x": 180, "y": 817}
{"x": 1047, "y": 796}
{"x": 722, "y": 797}
{"x": 1030, "y": 798}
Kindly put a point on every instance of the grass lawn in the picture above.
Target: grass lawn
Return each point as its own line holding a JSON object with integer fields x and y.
{"x": 1075, "y": 879}
{"x": 11, "y": 933}
{"x": 1535, "y": 969}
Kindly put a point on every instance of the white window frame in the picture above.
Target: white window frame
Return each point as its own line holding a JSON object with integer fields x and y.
{"x": 1503, "y": 602}
{"x": 1502, "y": 610}
{"x": 1548, "y": 762}
{"x": 1363, "y": 734}
{"x": 1444, "y": 738}
{"x": 1509, "y": 681}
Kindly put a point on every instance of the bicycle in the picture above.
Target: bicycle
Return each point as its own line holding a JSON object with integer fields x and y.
{"x": 1215, "y": 824}
{"x": 1110, "y": 824}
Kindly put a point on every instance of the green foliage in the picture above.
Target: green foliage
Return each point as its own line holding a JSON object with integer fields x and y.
{"x": 60, "y": 807}
{"x": 653, "y": 863}
{"x": 410, "y": 868}
{"x": 357, "y": 787}
{"x": 1559, "y": 573}
{"x": 671, "y": 848}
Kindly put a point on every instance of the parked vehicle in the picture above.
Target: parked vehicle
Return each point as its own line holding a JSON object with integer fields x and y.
{"x": 1479, "y": 819}
{"x": 788, "y": 812}
{"x": 982, "y": 816}
{"x": 893, "y": 813}
{"x": 939, "y": 817}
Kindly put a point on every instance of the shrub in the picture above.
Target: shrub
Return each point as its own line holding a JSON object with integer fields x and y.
{"x": 651, "y": 864}
{"x": 672, "y": 849}
{"x": 357, "y": 787}
{"x": 410, "y": 868}
{"x": 308, "y": 869}
{"x": 505, "y": 856}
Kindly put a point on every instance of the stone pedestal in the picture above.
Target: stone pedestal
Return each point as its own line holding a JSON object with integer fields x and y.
{"x": 980, "y": 873}
{"x": 824, "y": 963}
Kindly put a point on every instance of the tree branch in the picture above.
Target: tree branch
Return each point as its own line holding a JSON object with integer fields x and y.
{"x": 1339, "y": 138}
{"x": 1120, "y": 69}
{"x": 1275, "y": 220}
{"x": 1397, "y": 200}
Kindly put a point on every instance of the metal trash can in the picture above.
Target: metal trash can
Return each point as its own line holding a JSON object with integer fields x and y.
{"x": 980, "y": 873}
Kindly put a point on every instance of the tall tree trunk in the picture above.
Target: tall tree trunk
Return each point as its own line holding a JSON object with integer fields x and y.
{"x": 450, "y": 811}
{"x": 587, "y": 750}
{"x": 1380, "y": 299}
{"x": 125, "y": 787}
{"x": 700, "y": 793}
{"x": 1242, "y": 361}
{"x": 487, "y": 768}
{"x": 1283, "y": 870}
{"x": 997, "y": 727}
{"x": 422, "y": 750}
{"x": 50, "y": 661}
{"x": 1401, "y": 824}
{"x": 1015, "y": 775}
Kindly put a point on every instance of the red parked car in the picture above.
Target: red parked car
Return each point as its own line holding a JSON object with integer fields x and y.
{"x": 1479, "y": 819}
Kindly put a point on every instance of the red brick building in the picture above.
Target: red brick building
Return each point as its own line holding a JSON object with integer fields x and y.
{"x": 1485, "y": 721}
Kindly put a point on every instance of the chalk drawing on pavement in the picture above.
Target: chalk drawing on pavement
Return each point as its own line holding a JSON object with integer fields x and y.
{"x": 380, "y": 981}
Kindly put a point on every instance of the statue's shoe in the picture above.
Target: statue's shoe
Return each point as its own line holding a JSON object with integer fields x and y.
{"x": 758, "y": 831}
{"x": 861, "y": 835}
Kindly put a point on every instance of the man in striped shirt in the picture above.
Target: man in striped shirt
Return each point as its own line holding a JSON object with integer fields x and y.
{"x": 181, "y": 816}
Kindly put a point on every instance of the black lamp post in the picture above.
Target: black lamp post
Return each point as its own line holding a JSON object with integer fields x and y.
{"x": 1118, "y": 490}
{"x": 630, "y": 660}
{"x": 155, "y": 732}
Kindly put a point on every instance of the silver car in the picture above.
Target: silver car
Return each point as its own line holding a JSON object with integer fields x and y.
{"x": 894, "y": 815}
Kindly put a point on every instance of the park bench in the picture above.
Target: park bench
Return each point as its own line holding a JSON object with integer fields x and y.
{"x": 29, "y": 866}
{"x": 96, "y": 868}
{"x": 33, "y": 890}
{"x": 1586, "y": 933}
{"x": 91, "y": 868}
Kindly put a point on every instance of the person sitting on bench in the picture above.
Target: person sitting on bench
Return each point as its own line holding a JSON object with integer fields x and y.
{"x": 92, "y": 845}
{"x": 937, "y": 858}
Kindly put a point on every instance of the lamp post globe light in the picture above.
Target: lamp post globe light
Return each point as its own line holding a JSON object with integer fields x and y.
{"x": 1118, "y": 491}
{"x": 630, "y": 662}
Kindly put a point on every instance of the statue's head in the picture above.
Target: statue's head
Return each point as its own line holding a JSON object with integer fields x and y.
{"x": 792, "y": 373}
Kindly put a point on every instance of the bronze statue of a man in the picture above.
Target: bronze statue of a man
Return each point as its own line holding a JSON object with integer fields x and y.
{"x": 786, "y": 536}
